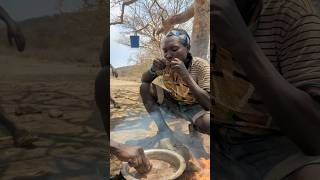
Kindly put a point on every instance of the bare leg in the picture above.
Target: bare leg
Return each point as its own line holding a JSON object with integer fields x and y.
{"x": 101, "y": 95}
{"x": 309, "y": 172}
{"x": 152, "y": 107}
{"x": 115, "y": 104}
{"x": 203, "y": 124}
{"x": 21, "y": 137}
{"x": 10, "y": 125}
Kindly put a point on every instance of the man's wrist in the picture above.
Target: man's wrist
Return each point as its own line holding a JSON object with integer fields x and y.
{"x": 152, "y": 70}
{"x": 187, "y": 79}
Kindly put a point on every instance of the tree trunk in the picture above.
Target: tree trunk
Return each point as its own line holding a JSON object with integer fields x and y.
{"x": 201, "y": 29}
{"x": 201, "y": 26}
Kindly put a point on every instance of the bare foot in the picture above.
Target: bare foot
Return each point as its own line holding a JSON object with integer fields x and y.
{"x": 116, "y": 105}
{"x": 24, "y": 139}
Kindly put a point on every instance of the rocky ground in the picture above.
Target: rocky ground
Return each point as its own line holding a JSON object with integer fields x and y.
{"x": 54, "y": 101}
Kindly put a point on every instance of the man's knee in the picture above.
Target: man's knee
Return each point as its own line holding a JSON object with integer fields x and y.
{"x": 309, "y": 172}
{"x": 203, "y": 123}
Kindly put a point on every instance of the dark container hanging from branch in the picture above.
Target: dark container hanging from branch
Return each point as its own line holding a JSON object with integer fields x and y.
{"x": 134, "y": 41}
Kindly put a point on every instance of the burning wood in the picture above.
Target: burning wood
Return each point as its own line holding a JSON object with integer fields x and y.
{"x": 204, "y": 173}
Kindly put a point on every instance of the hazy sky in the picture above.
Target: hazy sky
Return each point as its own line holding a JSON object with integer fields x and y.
{"x": 119, "y": 54}
{"x": 25, "y": 9}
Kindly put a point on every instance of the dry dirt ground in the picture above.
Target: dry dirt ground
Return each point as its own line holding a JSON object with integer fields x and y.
{"x": 130, "y": 124}
{"x": 56, "y": 102}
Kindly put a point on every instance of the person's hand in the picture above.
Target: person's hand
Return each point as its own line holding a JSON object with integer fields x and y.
{"x": 14, "y": 33}
{"x": 229, "y": 29}
{"x": 178, "y": 66}
{"x": 135, "y": 157}
{"x": 159, "y": 64}
{"x": 115, "y": 73}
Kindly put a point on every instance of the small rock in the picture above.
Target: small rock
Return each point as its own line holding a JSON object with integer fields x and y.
{"x": 55, "y": 113}
{"x": 22, "y": 110}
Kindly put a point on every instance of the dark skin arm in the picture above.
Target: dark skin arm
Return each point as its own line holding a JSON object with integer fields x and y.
{"x": 295, "y": 111}
{"x": 201, "y": 95}
{"x": 13, "y": 30}
{"x": 4, "y": 15}
{"x": 114, "y": 71}
{"x": 149, "y": 101}
{"x": 147, "y": 77}
{"x": 177, "y": 65}
{"x": 134, "y": 155}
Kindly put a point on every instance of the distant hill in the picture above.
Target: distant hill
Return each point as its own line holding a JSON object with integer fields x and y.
{"x": 132, "y": 73}
{"x": 70, "y": 37}
{"x": 317, "y": 4}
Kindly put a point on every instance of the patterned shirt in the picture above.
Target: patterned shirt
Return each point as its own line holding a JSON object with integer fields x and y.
{"x": 288, "y": 32}
{"x": 178, "y": 89}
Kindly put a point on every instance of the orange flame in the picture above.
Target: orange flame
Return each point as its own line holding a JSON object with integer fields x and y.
{"x": 204, "y": 173}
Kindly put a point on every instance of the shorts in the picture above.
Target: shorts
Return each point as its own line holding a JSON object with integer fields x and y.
{"x": 172, "y": 107}
{"x": 247, "y": 157}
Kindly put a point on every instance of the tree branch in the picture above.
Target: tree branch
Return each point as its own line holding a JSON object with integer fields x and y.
{"x": 176, "y": 19}
{"x": 125, "y": 3}
{"x": 163, "y": 10}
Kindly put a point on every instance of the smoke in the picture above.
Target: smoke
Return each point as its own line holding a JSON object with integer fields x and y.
{"x": 142, "y": 130}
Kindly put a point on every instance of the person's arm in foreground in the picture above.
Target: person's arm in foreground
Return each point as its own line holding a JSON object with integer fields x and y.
{"x": 114, "y": 71}
{"x": 13, "y": 30}
{"x": 134, "y": 155}
{"x": 294, "y": 110}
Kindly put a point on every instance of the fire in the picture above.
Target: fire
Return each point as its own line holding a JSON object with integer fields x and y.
{"x": 204, "y": 173}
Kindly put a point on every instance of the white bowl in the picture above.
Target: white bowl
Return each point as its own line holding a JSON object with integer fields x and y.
{"x": 166, "y": 155}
